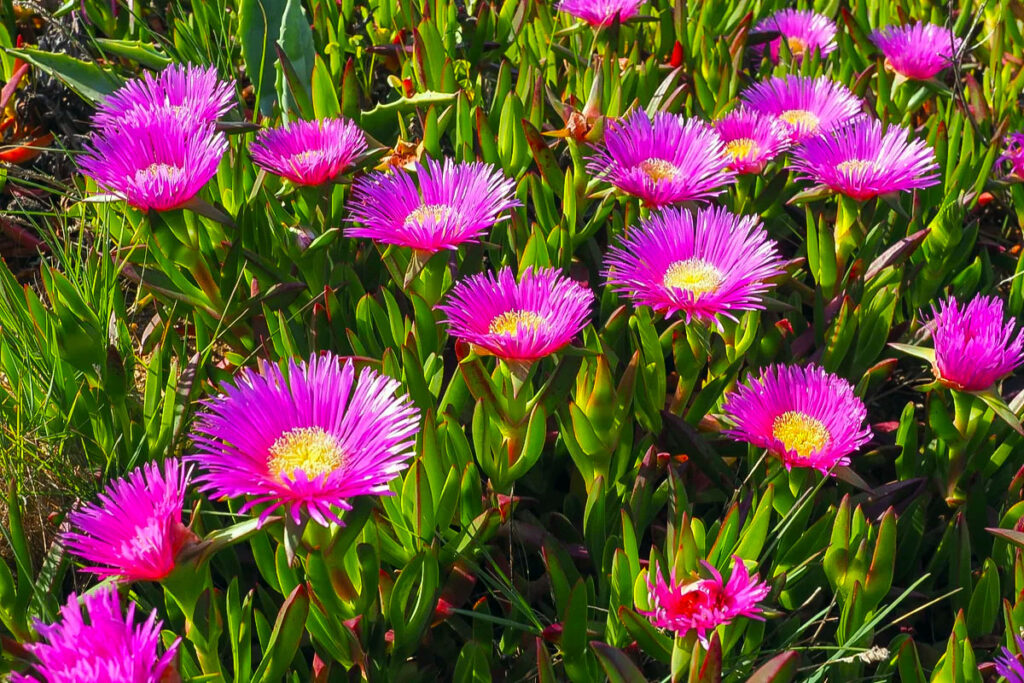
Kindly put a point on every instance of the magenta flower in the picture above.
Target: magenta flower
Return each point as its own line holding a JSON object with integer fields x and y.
{"x": 974, "y": 345}
{"x": 134, "y": 531}
{"x": 702, "y": 605}
{"x": 99, "y": 644}
{"x": 154, "y": 159}
{"x": 917, "y": 51}
{"x": 305, "y": 440}
{"x": 861, "y": 161}
{"x": 1015, "y": 155}
{"x": 1009, "y": 665}
{"x": 309, "y": 152}
{"x": 600, "y": 12}
{"x": 518, "y": 321}
{"x": 666, "y": 160}
{"x": 702, "y": 266}
{"x": 806, "y": 106}
{"x": 803, "y": 30}
{"x": 751, "y": 139}
{"x": 804, "y": 415}
{"x": 453, "y": 203}
{"x": 194, "y": 93}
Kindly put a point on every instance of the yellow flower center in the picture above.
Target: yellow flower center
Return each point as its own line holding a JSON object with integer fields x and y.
{"x": 421, "y": 213}
{"x": 510, "y": 322}
{"x": 856, "y": 165}
{"x": 693, "y": 275}
{"x": 154, "y": 171}
{"x": 307, "y": 156}
{"x": 309, "y": 449}
{"x": 742, "y": 148}
{"x": 801, "y": 118}
{"x": 800, "y": 432}
{"x": 659, "y": 169}
{"x": 796, "y": 46}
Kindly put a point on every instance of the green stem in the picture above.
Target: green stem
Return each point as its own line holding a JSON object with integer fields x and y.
{"x": 848, "y": 234}
{"x": 962, "y": 405}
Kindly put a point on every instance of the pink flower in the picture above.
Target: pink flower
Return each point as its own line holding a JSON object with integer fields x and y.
{"x": 519, "y": 321}
{"x": 196, "y": 94}
{"x": 134, "y": 532}
{"x": 99, "y": 645}
{"x": 447, "y": 205}
{"x": 702, "y": 605}
{"x": 308, "y": 439}
{"x": 1009, "y": 665}
{"x": 751, "y": 139}
{"x": 154, "y": 159}
{"x": 701, "y": 265}
{"x": 1014, "y": 153}
{"x": 917, "y": 51}
{"x": 861, "y": 161}
{"x": 664, "y": 160}
{"x": 804, "y": 415}
{"x": 600, "y": 12}
{"x": 805, "y": 106}
{"x": 803, "y": 30}
{"x": 975, "y": 346}
{"x": 309, "y": 152}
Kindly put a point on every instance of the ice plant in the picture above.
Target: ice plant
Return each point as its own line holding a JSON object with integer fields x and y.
{"x": 444, "y": 206}
{"x": 1014, "y": 153}
{"x": 307, "y": 439}
{"x": 154, "y": 159}
{"x": 663, "y": 160}
{"x": 751, "y": 139}
{"x": 975, "y": 346}
{"x": 518, "y": 321}
{"x": 916, "y": 51}
{"x": 806, "y": 106}
{"x": 703, "y": 265}
{"x": 803, "y": 30}
{"x": 134, "y": 531}
{"x": 95, "y": 641}
{"x": 600, "y": 12}
{"x": 804, "y": 415}
{"x": 702, "y": 605}
{"x": 194, "y": 93}
{"x": 309, "y": 152}
{"x": 1009, "y": 665}
{"x": 863, "y": 161}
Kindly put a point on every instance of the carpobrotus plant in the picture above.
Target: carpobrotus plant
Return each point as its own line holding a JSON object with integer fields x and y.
{"x": 482, "y": 327}
{"x": 701, "y": 605}
{"x": 309, "y": 152}
{"x": 154, "y": 159}
{"x": 440, "y": 206}
{"x": 861, "y": 161}
{"x": 751, "y": 139}
{"x": 805, "y": 106}
{"x": 1009, "y": 665}
{"x": 916, "y": 51}
{"x": 194, "y": 93}
{"x": 975, "y": 346}
{"x": 307, "y": 439}
{"x": 804, "y": 32}
{"x": 701, "y": 265}
{"x": 805, "y": 416}
{"x": 1014, "y": 154}
{"x": 518, "y": 321}
{"x": 134, "y": 532}
{"x": 664, "y": 159}
{"x": 600, "y": 12}
{"x": 96, "y": 641}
